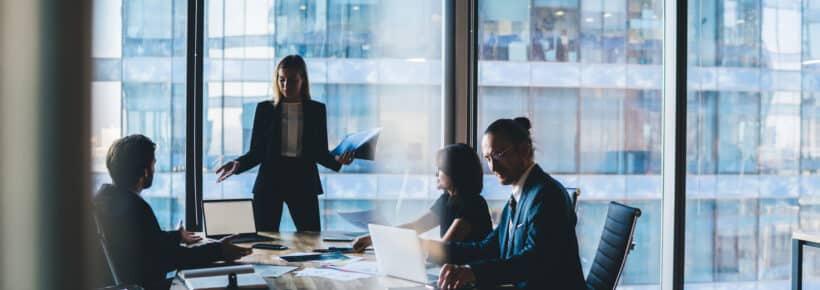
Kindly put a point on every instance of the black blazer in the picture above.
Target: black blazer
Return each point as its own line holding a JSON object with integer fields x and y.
{"x": 142, "y": 252}
{"x": 275, "y": 172}
{"x": 544, "y": 250}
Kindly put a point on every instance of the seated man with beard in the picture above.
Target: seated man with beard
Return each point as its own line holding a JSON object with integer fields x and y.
{"x": 142, "y": 252}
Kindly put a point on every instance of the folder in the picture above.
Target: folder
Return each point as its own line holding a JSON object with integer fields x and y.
{"x": 363, "y": 143}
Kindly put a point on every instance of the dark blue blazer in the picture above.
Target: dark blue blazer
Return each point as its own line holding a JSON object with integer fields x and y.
{"x": 278, "y": 173}
{"x": 544, "y": 249}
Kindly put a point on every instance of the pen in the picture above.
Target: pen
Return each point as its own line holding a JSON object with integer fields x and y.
{"x": 180, "y": 226}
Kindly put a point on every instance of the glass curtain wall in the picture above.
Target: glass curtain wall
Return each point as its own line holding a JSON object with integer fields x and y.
{"x": 138, "y": 87}
{"x": 753, "y": 141}
{"x": 588, "y": 74}
{"x": 372, "y": 63}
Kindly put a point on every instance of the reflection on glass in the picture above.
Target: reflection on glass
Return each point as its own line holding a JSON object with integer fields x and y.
{"x": 585, "y": 73}
{"x": 139, "y": 88}
{"x": 751, "y": 123}
{"x": 362, "y": 64}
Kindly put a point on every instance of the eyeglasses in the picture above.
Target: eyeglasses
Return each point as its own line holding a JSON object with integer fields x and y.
{"x": 497, "y": 156}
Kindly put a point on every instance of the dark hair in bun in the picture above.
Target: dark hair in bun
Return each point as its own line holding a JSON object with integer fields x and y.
{"x": 524, "y": 122}
{"x": 515, "y": 130}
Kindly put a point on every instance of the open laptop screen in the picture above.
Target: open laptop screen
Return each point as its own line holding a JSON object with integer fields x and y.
{"x": 228, "y": 216}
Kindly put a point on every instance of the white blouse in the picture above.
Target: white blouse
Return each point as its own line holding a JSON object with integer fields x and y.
{"x": 292, "y": 129}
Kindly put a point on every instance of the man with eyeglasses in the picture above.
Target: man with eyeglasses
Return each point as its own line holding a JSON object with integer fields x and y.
{"x": 534, "y": 245}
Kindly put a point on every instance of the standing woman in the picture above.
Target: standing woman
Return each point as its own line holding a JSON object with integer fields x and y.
{"x": 288, "y": 138}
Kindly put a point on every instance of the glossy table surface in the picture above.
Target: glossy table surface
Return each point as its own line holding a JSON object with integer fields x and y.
{"x": 306, "y": 242}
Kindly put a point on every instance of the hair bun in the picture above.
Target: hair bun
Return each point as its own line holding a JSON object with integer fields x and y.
{"x": 524, "y": 122}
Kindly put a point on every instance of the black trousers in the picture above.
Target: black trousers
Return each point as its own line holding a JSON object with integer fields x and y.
{"x": 303, "y": 207}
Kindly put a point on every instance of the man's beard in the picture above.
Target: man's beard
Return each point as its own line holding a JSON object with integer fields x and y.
{"x": 148, "y": 181}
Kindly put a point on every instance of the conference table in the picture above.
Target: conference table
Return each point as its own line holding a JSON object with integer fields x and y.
{"x": 307, "y": 242}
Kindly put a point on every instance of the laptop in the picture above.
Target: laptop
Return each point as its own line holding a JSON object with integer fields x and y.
{"x": 399, "y": 254}
{"x": 224, "y": 217}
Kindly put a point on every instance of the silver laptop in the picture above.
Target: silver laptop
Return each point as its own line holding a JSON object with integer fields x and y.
{"x": 399, "y": 254}
{"x": 225, "y": 217}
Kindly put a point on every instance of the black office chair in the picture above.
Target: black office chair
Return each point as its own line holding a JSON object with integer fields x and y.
{"x": 615, "y": 244}
{"x": 574, "y": 193}
{"x": 112, "y": 271}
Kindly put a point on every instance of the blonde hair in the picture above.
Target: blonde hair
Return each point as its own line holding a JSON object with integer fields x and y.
{"x": 293, "y": 61}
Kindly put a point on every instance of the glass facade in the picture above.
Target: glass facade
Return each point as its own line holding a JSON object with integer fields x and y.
{"x": 138, "y": 87}
{"x": 361, "y": 65}
{"x": 588, "y": 73}
{"x": 752, "y": 141}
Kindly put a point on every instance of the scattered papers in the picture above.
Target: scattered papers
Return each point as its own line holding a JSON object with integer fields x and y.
{"x": 339, "y": 262}
{"x": 366, "y": 267}
{"x": 272, "y": 271}
{"x": 331, "y": 274}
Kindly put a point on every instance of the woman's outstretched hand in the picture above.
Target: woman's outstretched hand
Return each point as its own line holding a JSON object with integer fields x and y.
{"x": 345, "y": 158}
{"x": 227, "y": 170}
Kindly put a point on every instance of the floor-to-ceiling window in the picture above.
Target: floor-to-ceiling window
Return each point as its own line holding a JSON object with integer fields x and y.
{"x": 138, "y": 87}
{"x": 373, "y": 64}
{"x": 588, "y": 74}
{"x": 752, "y": 141}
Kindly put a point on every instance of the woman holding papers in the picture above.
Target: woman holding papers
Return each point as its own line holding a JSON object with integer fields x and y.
{"x": 460, "y": 212}
{"x": 288, "y": 138}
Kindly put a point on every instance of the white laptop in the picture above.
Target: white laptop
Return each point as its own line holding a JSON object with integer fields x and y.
{"x": 399, "y": 254}
{"x": 225, "y": 217}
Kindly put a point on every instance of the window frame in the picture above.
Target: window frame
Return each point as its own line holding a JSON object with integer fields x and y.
{"x": 460, "y": 112}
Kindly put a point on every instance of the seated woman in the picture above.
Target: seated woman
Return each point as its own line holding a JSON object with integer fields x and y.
{"x": 460, "y": 211}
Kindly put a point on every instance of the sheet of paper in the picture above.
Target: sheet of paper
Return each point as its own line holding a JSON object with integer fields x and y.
{"x": 369, "y": 267}
{"x": 272, "y": 271}
{"x": 340, "y": 262}
{"x": 331, "y": 274}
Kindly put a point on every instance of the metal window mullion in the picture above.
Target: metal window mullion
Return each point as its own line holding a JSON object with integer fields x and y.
{"x": 193, "y": 110}
{"x": 674, "y": 145}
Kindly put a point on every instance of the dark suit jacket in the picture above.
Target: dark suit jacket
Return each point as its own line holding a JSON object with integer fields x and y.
{"x": 544, "y": 247}
{"x": 141, "y": 251}
{"x": 266, "y": 146}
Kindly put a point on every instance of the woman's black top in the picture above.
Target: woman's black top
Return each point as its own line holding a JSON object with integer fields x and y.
{"x": 471, "y": 208}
